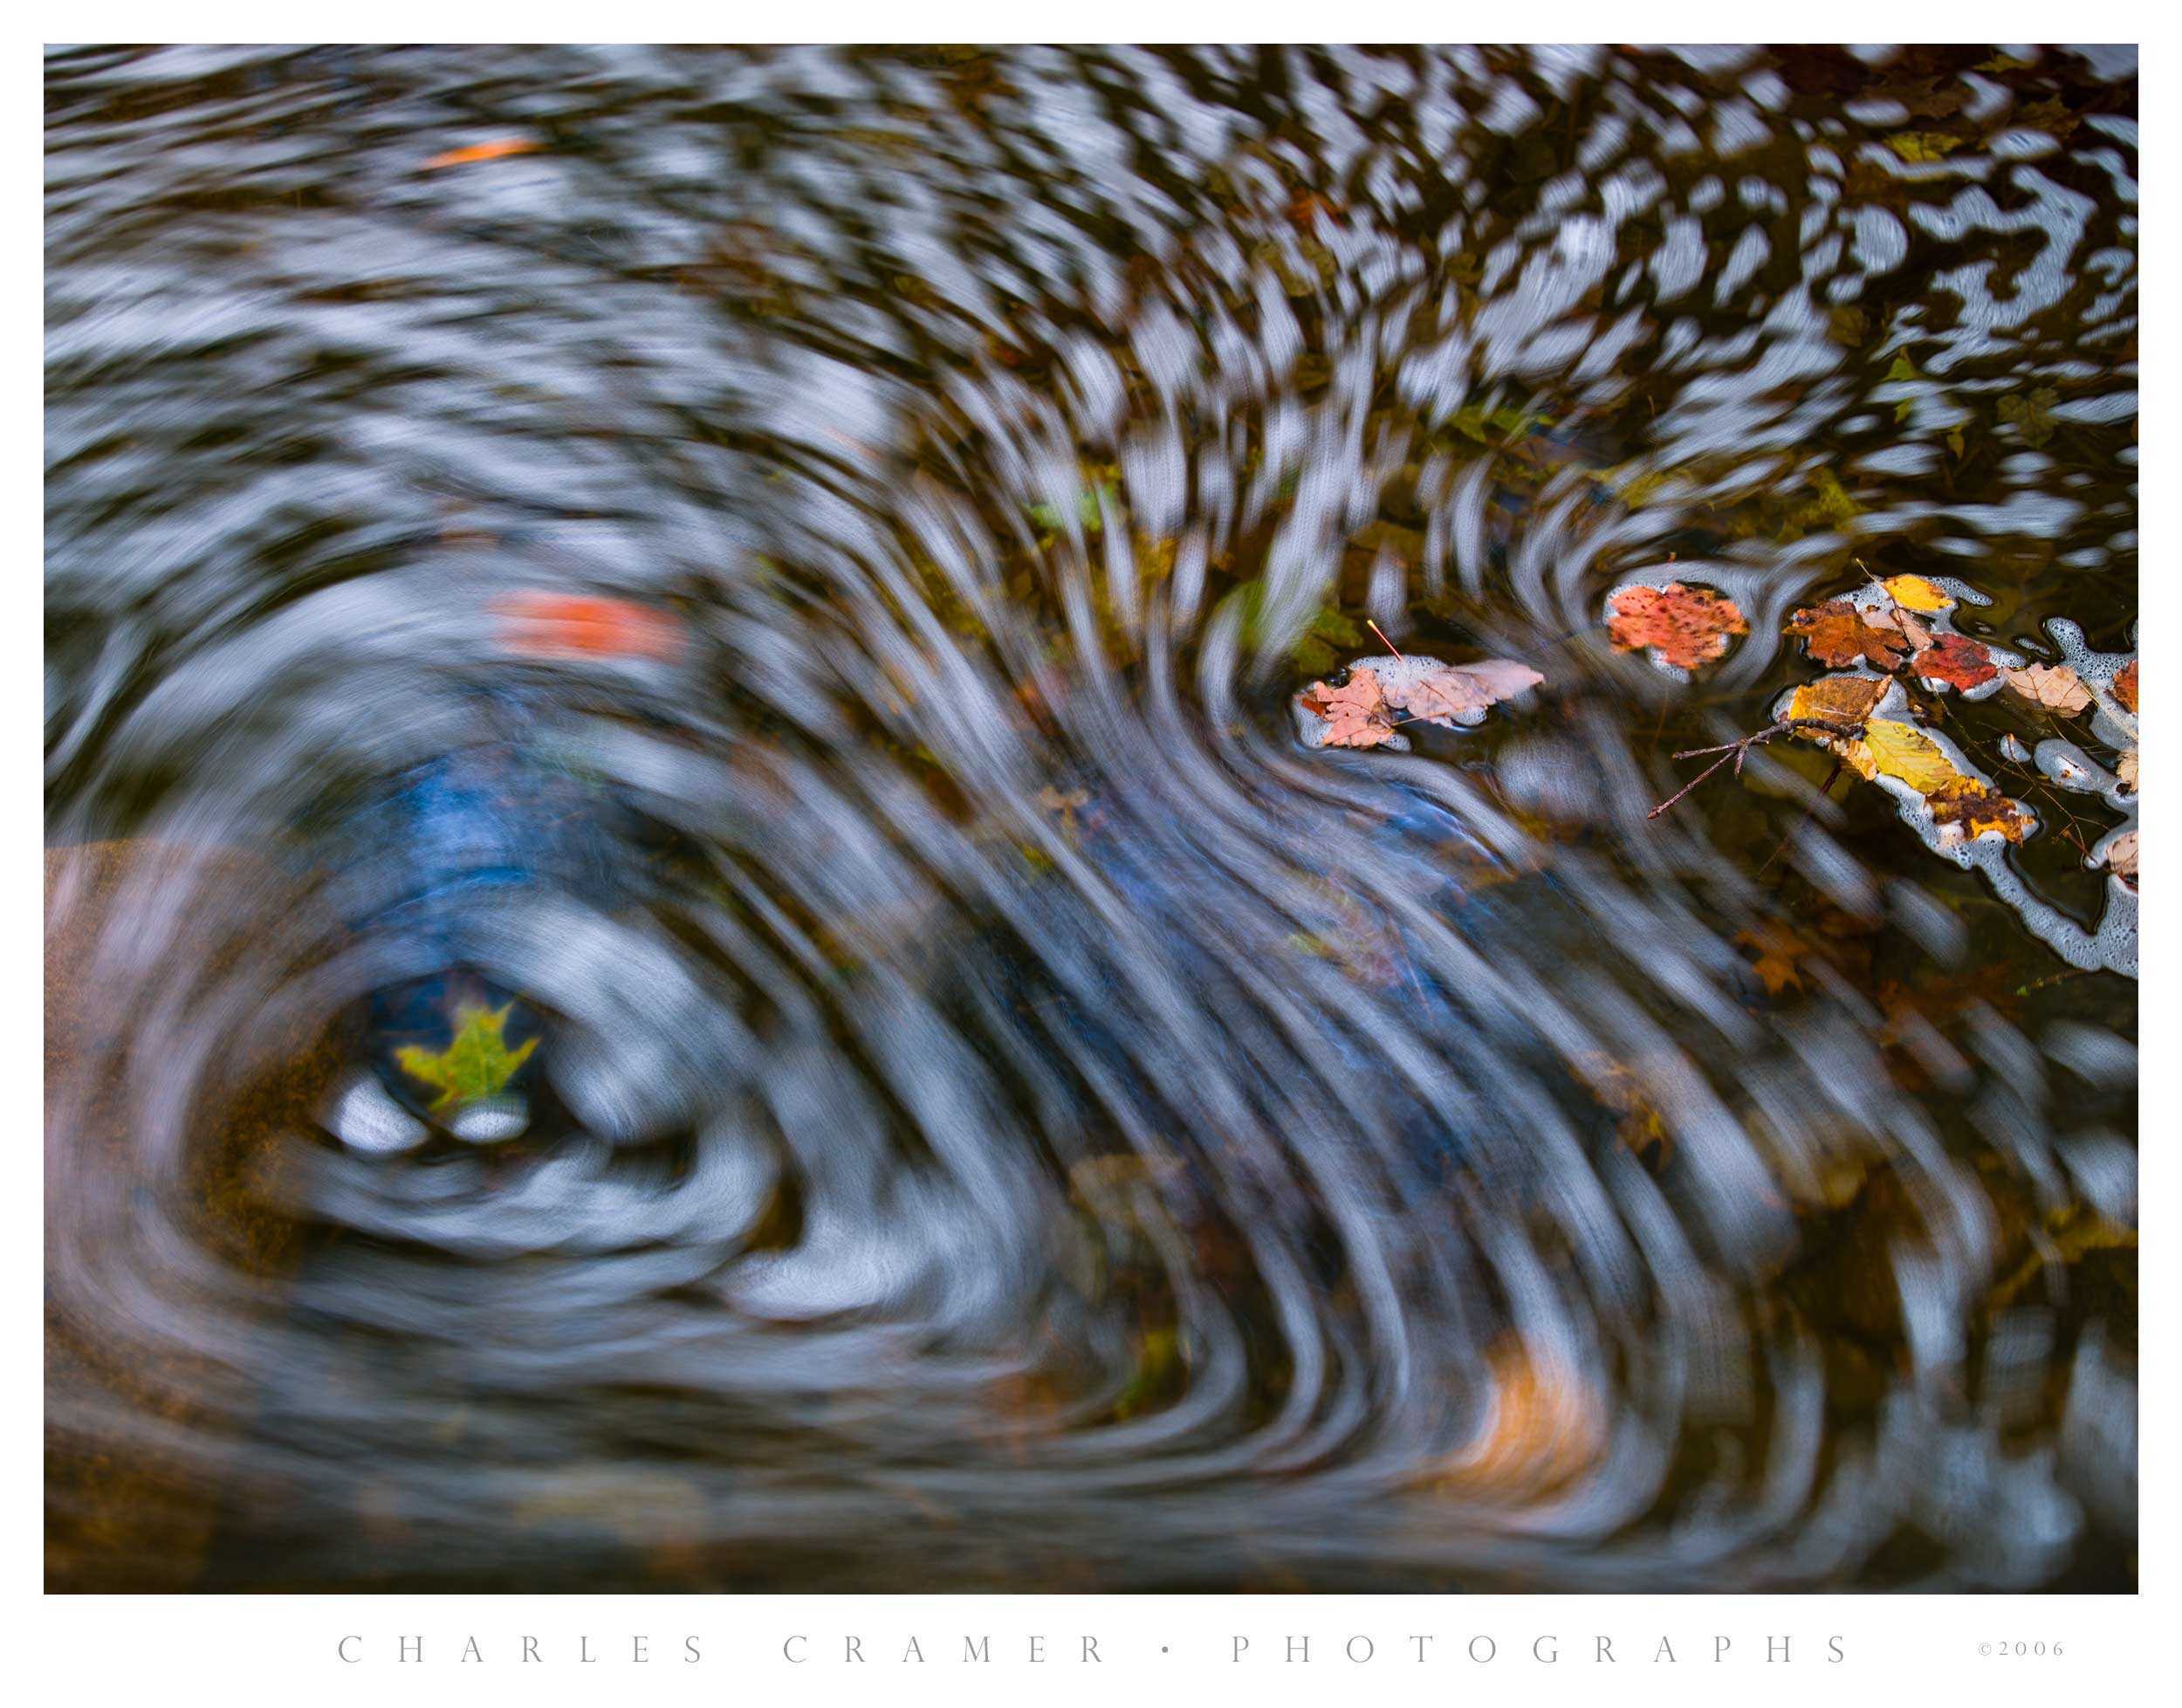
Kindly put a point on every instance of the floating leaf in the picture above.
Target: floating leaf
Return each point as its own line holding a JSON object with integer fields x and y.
{"x": 1356, "y": 712}
{"x": 477, "y": 1063}
{"x": 1459, "y": 693}
{"x": 482, "y": 151}
{"x": 1968, "y": 808}
{"x": 2121, "y": 855}
{"x": 1839, "y": 633}
{"x": 1543, "y": 1425}
{"x": 1914, "y": 593}
{"x": 1957, "y": 660}
{"x": 2056, "y": 687}
{"x": 2126, "y": 685}
{"x": 1891, "y": 748}
{"x": 1362, "y": 713}
{"x": 1962, "y": 806}
{"x": 1685, "y": 625}
{"x": 2126, "y": 771}
{"x": 1841, "y": 702}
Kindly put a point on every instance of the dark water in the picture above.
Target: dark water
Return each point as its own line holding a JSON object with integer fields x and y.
{"x": 1018, "y": 1119}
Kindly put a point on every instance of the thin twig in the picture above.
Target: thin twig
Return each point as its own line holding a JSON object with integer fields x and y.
{"x": 1383, "y": 642}
{"x": 1738, "y": 749}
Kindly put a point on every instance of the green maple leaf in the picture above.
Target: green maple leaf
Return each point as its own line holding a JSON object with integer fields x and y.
{"x": 477, "y": 1063}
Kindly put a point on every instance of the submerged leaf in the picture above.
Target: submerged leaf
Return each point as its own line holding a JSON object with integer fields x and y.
{"x": 1685, "y": 626}
{"x": 1780, "y": 952}
{"x": 477, "y": 1063}
{"x": 2031, "y": 415}
{"x": 1920, "y": 147}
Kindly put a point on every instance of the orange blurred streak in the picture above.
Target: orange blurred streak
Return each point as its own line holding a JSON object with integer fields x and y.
{"x": 477, "y": 151}
{"x": 539, "y": 625}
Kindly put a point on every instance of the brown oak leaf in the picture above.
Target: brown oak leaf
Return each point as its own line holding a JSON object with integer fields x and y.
{"x": 1686, "y": 626}
{"x": 1839, "y": 633}
{"x": 1956, "y": 660}
{"x": 2126, "y": 685}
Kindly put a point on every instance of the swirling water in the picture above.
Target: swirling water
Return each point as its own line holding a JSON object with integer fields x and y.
{"x": 1014, "y": 1117}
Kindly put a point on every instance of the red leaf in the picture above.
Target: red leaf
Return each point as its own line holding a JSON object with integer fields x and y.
{"x": 1956, "y": 660}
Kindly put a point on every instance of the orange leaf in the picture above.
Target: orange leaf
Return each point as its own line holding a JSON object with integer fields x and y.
{"x": 1842, "y": 701}
{"x": 1838, "y": 633}
{"x": 1686, "y": 626}
{"x": 2126, "y": 685}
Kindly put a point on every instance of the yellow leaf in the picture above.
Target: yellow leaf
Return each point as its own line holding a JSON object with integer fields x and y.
{"x": 1902, "y": 751}
{"x": 1914, "y": 593}
{"x": 1918, "y": 146}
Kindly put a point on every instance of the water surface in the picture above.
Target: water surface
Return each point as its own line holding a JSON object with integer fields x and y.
{"x": 1020, "y": 1120}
